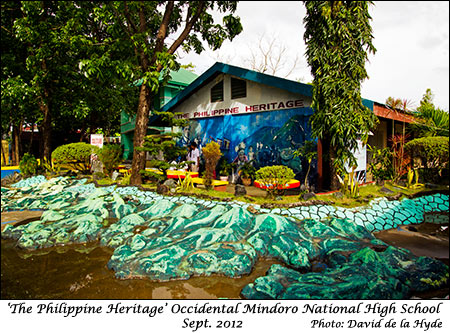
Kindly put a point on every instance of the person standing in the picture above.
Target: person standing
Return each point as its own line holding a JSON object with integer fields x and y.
{"x": 193, "y": 156}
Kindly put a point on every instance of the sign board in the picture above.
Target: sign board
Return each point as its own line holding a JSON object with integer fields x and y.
{"x": 97, "y": 140}
{"x": 361, "y": 161}
{"x": 242, "y": 109}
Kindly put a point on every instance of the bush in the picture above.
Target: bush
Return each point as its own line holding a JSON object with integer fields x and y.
{"x": 76, "y": 156}
{"x": 274, "y": 178}
{"x": 28, "y": 165}
{"x": 431, "y": 153}
{"x": 211, "y": 154}
{"x": 247, "y": 170}
{"x": 110, "y": 156}
{"x": 224, "y": 168}
{"x": 381, "y": 166}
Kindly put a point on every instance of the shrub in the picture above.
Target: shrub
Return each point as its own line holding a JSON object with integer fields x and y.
{"x": 225, "y": 168}
{"x": 76, "y": 156}
{"x": 211, "y": 154}
{"x": 431, "y": 153}
{"x": 274, "y": 178}
{"x": 110, "y": 156}
{"x": 381, "y": 166}
{"x": 28, "y": 165}
{"x": 247, "y": 170}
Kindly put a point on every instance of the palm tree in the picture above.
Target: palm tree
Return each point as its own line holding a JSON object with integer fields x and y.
{"x": 430, "y": 121}
{"x": 399, "y": 104}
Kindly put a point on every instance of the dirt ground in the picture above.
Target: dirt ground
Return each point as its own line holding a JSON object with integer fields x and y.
{"x": 20, "y": 217}
{"x": 425, "y": 239}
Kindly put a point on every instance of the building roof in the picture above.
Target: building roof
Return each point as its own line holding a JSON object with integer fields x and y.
{"x": 383, "y": 111}
{"x": 181, "y": 77}
{"x": 246, "y": 74}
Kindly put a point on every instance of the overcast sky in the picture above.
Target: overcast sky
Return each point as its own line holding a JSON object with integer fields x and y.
{"x": 411, "y": 38}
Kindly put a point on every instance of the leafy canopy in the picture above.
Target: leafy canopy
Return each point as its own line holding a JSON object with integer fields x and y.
{"x": 338, "y": 37}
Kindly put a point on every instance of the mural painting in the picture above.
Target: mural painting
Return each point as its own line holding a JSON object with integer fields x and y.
{"x": 263, "y": 138}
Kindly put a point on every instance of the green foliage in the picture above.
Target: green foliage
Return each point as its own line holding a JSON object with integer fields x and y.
{"x": 247, "y": 170}
{"x": 111, "y": 156}
{"x": 149, "y": 34}
{"x": 274, "y": 178}
{"x": 28, "y": 165}
{"x": 74, "y": 155}
{"x": 185, "y": 185}
{"x": 47, "y": 167}
{"x": 338, "y": 38}
{"x": 126, "y": 178}
{"x": 430, "y": 121}
{"x": 432, "y": 152}
{"x": 211, "y": 154}
{"x": 381, "y": 166}
{"x": 309, "y": 151}
{"x": 225, "y": 168}
{"x": 163, "y": 148}
{"x": 349, "y": 185}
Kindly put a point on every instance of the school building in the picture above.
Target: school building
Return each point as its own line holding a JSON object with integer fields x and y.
{"x": 262, "y": 116}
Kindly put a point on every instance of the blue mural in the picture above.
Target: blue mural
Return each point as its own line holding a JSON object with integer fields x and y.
{"x": 264, "y": 138}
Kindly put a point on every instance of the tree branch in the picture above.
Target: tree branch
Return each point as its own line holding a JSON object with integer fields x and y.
{"x": 188, "y": 27}
{"x": 163, "y": 28}
{"x": 128, "y": 18}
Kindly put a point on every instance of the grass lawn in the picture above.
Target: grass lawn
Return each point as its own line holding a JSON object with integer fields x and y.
{"x": 366, "y": 194}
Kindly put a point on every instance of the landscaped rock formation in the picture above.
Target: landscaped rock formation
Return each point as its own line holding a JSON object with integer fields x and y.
{"x": 164, "y": 238}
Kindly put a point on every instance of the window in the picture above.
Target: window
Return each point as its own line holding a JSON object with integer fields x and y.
{"x": 238, "y": 88}
{"x": 217, "y": 92}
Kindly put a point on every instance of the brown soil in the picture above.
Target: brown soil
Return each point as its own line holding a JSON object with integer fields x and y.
{"x": 426, "y": 239}
{"x": 20, "y": 217}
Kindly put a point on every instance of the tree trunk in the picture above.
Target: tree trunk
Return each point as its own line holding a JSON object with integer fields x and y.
{"x": 30, "y": 145}
{"x": 140, "y": 131}
{"x": 15, "y": 149}
{"x": 330, "y": 180}
{"x": 46, "y": 131}
{"x": 5, "y": 161}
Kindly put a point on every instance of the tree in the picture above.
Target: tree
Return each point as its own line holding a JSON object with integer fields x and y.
{"x": 399, "y": 104}
{"x": 17, "y": 95}
{"x": 150, "y": 32}
{"x": 271, "y": 57}
{"x": 338, "y": 38}
{"x": 163, "y": 147}
{"x": 430, "y": 121}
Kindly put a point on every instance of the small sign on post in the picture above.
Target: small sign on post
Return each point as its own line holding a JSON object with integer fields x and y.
{"x": 96, "y": 165}
{"x": 97, "y": 140}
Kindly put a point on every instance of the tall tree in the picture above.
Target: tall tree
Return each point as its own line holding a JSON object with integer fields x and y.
{"x": 152, "y": 31}
{"x": 338, "y": 38}
{"x": 17, "y": 95}
{"x": 430, "y": 120}
{"x": 44, "y": 53}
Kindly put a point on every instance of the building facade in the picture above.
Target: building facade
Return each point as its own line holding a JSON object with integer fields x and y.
{"x": 262, "y": 118}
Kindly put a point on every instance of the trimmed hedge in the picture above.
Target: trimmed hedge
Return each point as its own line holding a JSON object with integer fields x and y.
{"x": 274, "y": 178}
{"x": 74, "y": 155}
{"x": 432, "y": 153}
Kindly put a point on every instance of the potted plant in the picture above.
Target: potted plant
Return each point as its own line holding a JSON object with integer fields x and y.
{"x": 225, "y": 169}
{"x": 247, "y": 173}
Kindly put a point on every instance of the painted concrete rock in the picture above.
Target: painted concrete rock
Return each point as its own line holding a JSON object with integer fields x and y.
{"x": 364, "y": 274}
{"x": 164, "y": 238}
